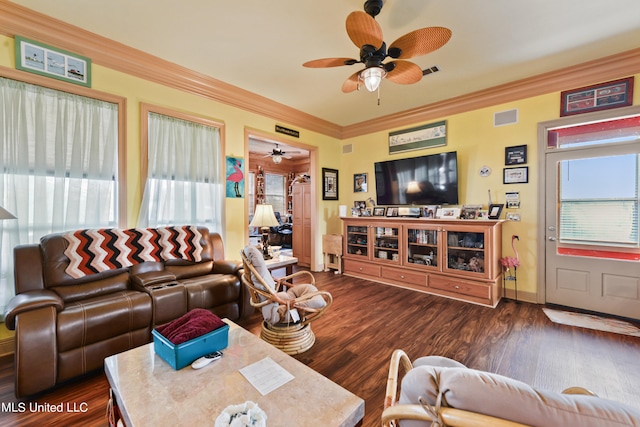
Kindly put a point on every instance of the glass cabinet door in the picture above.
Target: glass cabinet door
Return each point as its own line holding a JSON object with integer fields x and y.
{"x": 465, "y": 251}
{"x": 385, "y": 244}
{"x": 357, "y": 240}
{"x": 422, "y": 247}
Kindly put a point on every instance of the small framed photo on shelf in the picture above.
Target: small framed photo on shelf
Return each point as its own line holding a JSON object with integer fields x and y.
{"x": 495, "y": 211}
{"x": 379, "y": 211}
{"x": 516, "y": 155}
{"x": 392, "y": 211}
{"x": 516, "y": 175}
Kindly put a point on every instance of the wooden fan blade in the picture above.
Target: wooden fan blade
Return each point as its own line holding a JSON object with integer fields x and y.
{"x": 351, "y": 83}
{"x": 363, "y": 29}
{"x": 422, "y": 41}
{"x": 329, "y": 62}
{"x": 405, "y": 73}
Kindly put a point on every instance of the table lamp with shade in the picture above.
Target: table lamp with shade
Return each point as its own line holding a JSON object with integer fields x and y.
{"x": 264, "y": 218}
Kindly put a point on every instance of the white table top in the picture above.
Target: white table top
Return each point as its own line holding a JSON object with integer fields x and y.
{"x": 151, "y": 393}
{"x": 279, "y": 261}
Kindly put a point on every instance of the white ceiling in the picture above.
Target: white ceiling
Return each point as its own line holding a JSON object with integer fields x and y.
{"x": 260, "y": 45}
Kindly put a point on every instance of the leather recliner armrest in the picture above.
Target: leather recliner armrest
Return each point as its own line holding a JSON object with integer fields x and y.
{"x": 30, "y": 300}
{"x": 151, "y": 278}
{"x": 226, "y": 267}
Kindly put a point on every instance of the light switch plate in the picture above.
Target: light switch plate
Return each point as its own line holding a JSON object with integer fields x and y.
{"x": 513, "y": 216}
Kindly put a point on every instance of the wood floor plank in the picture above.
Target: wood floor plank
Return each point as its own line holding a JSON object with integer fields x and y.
{"x": 367, "y": 321}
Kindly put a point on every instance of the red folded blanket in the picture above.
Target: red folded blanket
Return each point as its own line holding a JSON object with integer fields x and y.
{"x": 193, "y": 324}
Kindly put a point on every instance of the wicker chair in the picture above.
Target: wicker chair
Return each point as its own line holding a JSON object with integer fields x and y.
{"x": 504, "y": 402}
{"x": 289, "y": 334}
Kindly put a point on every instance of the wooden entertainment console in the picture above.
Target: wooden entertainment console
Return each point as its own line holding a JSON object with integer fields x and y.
{"x": 453, "y": 258}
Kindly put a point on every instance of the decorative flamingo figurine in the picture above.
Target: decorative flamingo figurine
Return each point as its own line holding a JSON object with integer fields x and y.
{"x": 236, "y": 177}
{"x": 509, "y": 262}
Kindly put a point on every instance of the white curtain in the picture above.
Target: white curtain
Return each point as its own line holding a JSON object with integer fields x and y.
{"x": 185, "y": 182}
{"x": 58, "y": 153}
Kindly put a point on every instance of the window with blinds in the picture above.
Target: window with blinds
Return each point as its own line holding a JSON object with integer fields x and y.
{"x": 275, "y": 192}
{"x": 599, "y": 201}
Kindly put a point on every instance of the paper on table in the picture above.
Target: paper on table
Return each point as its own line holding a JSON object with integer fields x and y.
{"x": 266, "y": 375}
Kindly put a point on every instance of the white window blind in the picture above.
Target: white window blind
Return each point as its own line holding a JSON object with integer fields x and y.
{"x": 599, "y": 201}
{"x": 275, "y": 192}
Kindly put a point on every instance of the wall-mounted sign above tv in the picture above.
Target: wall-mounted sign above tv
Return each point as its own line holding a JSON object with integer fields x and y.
{"x": 425, "y": 180}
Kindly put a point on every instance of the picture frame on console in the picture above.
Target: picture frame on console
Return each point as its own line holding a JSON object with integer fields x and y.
{"x": 495, "y": 210}
{"x": 392, "y": 211}
{"x": 379, "y": 211}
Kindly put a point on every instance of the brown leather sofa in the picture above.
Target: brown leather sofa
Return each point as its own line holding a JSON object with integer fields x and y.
{"x": 66, "y": 326}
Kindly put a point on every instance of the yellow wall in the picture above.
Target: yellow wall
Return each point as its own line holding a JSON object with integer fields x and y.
{"x": 137, "y": 90}
{"x": 478, "y": 143}
{"x": 471, "y": 134}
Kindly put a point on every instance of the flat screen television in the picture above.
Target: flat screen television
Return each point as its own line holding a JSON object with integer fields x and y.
{"x": 425, "y": 180}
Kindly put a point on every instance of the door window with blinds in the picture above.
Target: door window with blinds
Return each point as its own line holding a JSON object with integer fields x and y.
{"x": 599, "y": 201}
{"x": 598, "y": 191}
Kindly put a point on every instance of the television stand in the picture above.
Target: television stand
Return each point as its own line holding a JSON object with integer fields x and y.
{"x": 452, "y": 258}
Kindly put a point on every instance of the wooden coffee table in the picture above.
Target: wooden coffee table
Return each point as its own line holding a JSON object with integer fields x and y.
{"x": 151, "y": 393}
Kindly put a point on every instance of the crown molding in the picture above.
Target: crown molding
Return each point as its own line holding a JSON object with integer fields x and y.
{"x": 603, "y": 69}
{"x": 15, "y": 19}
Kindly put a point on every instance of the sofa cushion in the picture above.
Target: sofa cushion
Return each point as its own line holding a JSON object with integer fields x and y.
{"x": 509, "y": 399}
{"x": 97, "y": 319}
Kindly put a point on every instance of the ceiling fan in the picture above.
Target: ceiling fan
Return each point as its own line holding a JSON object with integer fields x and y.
{"x": 277, "y": 155}
{"x": 366, "y": 34}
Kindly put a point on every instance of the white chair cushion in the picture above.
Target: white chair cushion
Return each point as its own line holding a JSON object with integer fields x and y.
{"x": 254, "y": 256}
{"x": 506, "y": 398}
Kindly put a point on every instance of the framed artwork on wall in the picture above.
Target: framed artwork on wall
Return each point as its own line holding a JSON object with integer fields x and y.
{"x": 329, "y": 184}
{"x": 516, "y": 155}
{"x": 603, "y": 96}
{"x": 48, "y": 61}
{"x": 235, "y": 177}
{"x": 516, "y": 175}
{"x": 360, "y": 183}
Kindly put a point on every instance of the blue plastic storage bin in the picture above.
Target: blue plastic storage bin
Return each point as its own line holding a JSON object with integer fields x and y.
{"x": 181, "y": 355}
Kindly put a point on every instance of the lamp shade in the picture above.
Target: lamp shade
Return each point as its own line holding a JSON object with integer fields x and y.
{"x": 264, "y": 217}
{"x": 5, "y": 214}
{"x": 277, "y": 158}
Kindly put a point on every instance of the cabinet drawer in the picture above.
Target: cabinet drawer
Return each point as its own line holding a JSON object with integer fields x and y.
{"x": 460, "y": 287}
{"x": 398, "y": 274}
{"x": 351, "y": 266}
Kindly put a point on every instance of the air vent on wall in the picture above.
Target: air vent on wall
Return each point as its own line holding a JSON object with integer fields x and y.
{"x": 430, "y": 70}
{"x": 505, "y": 117}
{"x": 347, "y": 148}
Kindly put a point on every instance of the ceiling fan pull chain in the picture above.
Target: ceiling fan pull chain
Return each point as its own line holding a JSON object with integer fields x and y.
{"x": 379, "y": 95}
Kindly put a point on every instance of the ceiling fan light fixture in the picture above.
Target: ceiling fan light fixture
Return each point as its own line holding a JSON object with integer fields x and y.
{"x": 277, "y": 158}
{"x": 372, "y": 77}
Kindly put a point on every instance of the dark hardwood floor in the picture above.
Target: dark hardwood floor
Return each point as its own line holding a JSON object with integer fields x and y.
{"x": 369, "y": 320}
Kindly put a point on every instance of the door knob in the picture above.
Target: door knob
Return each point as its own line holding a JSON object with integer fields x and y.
{"x": 552, "y": 239}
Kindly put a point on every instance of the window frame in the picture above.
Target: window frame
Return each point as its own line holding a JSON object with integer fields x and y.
{"x": 145, "y": 109}
{"x": 94, "y": 94}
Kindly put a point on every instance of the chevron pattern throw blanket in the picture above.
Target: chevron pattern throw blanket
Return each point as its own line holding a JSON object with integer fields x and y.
{"x": 97, "y": 250}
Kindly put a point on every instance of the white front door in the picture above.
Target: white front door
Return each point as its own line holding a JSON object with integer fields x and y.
{"x": 592, "y": 252}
